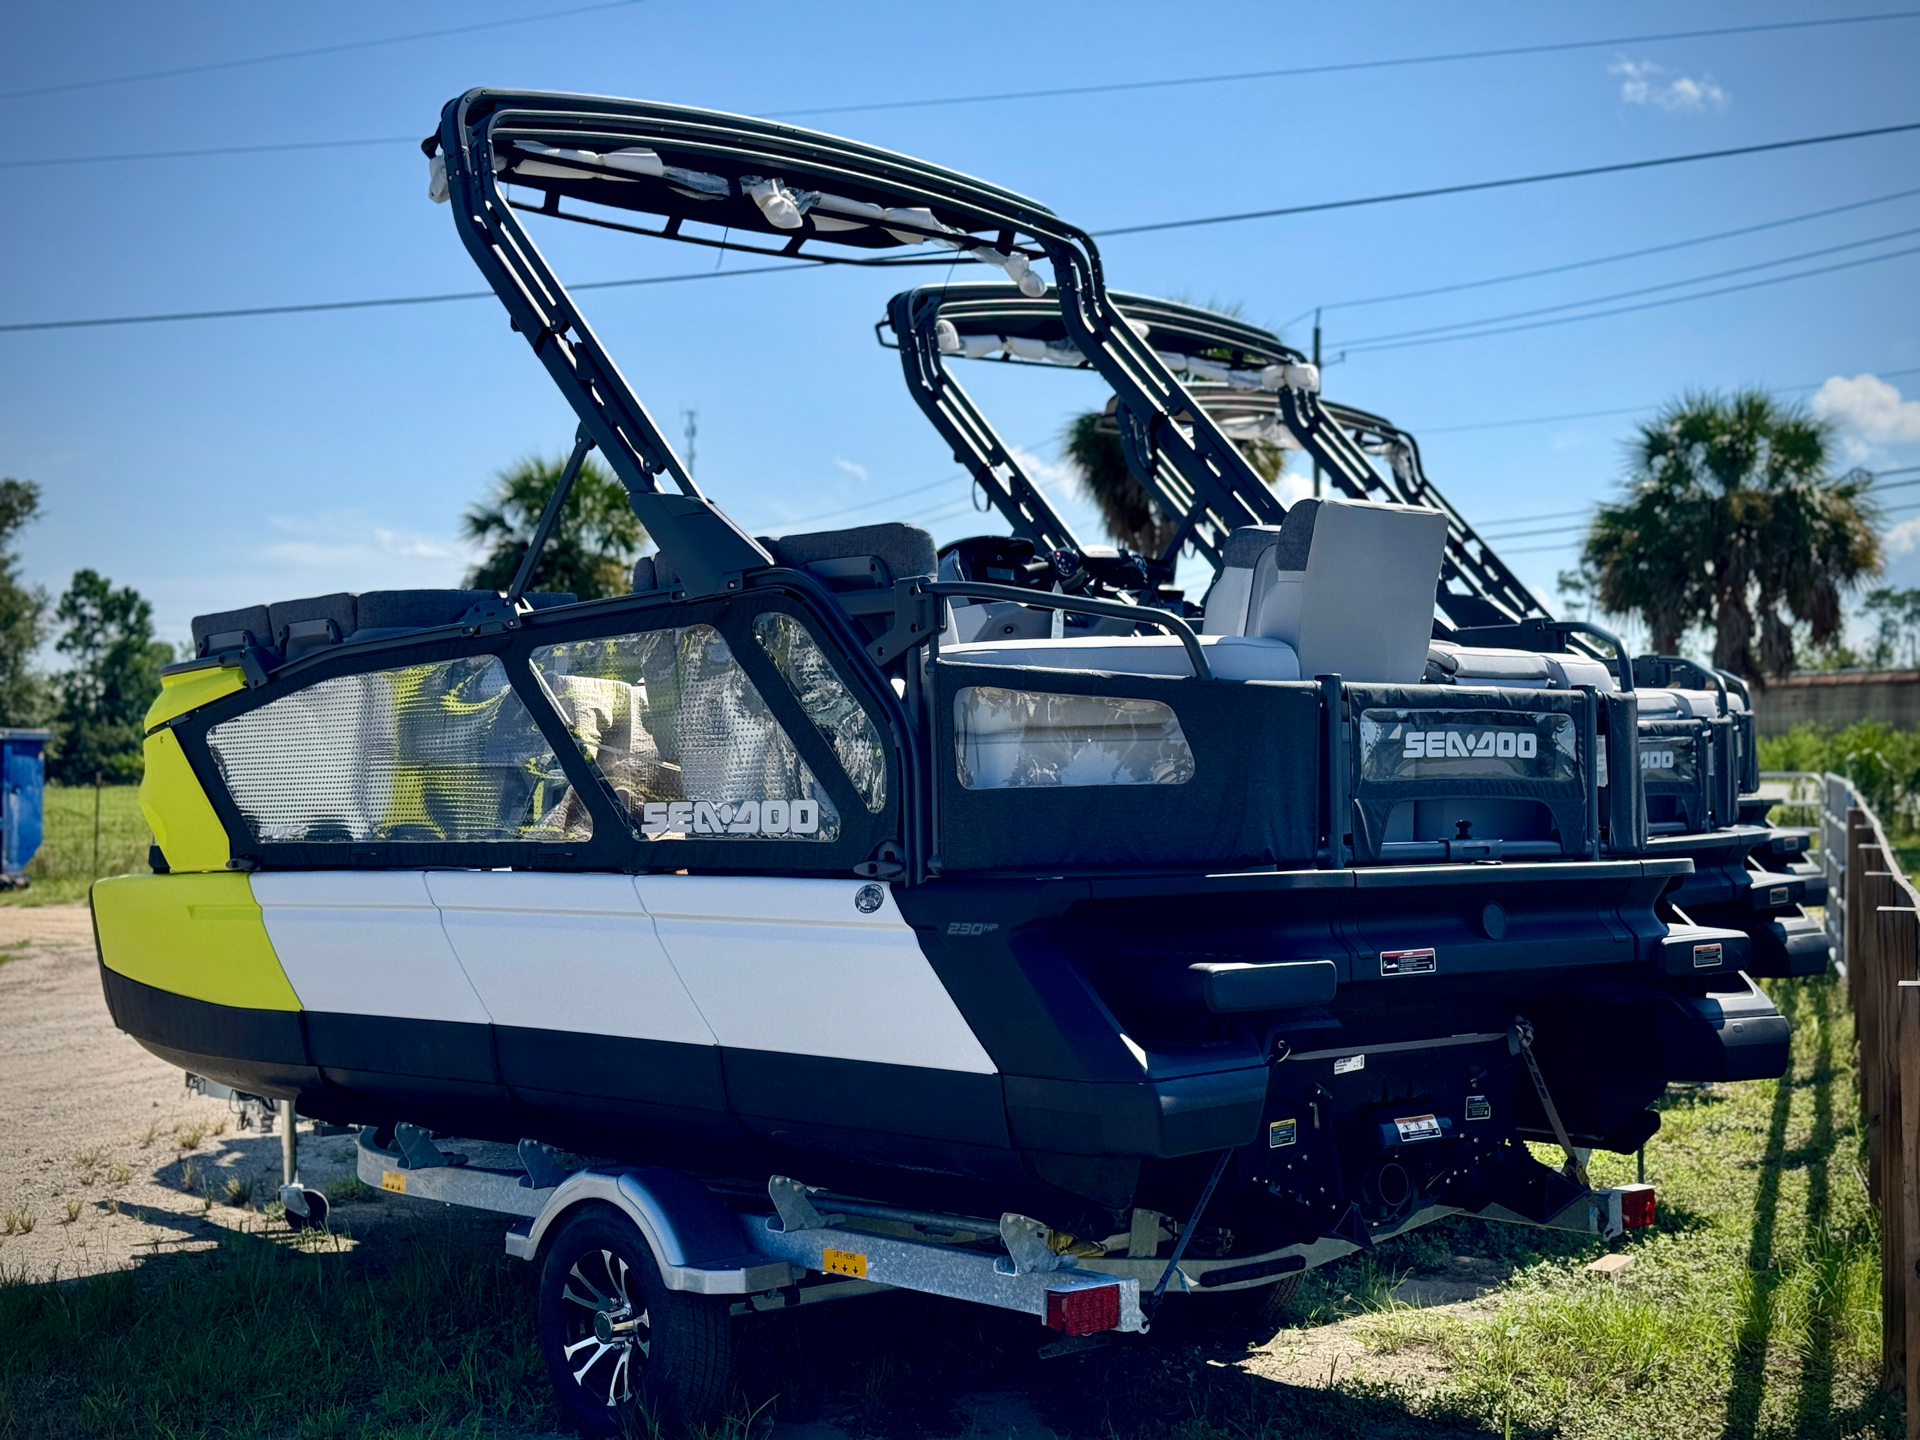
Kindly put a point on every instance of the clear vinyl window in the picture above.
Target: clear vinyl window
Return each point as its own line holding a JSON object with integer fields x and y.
{"x": 684, "y": 738}
{"x": 443, "y": 752}
{"x": 831, "y": 706}
{"x": 1019, "y": 739}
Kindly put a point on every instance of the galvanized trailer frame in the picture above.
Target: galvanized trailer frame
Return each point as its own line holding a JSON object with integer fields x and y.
{"x": 797, "y": 1246}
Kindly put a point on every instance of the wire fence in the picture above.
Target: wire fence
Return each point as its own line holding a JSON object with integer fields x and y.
{"x": 1873, "y": 922}
{"x": 86, "y": 832}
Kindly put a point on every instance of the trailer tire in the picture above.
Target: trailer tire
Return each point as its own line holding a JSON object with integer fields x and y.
{"x": 661, "y": 1354}
{"x": 1258, "y": 1307}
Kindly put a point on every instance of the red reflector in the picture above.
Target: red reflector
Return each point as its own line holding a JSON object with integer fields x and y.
{"x": 1084, "y": 1312}
{"x": 1636, "y": 1206}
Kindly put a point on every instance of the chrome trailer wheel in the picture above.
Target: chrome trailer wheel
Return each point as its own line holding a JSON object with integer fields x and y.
{"x": 619, "y": 1345}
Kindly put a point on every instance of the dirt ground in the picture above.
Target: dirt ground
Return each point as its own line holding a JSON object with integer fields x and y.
{"x": 106, "y": 1159}
{"x": 103, "y": 1153}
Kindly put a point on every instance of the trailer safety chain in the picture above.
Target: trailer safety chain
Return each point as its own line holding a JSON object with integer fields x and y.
{"x": 1521, "y": 1039}
{"x": 1152, "y": 1307}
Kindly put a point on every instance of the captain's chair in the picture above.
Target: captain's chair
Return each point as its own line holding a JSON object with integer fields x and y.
{"x": 1348, "y": 584}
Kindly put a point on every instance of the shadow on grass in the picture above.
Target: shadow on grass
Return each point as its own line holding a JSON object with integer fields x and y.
{"x": 900, "y": 1366}
{"x": 425, "y": 1328}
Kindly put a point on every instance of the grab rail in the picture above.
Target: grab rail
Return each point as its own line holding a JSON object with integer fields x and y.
{"x": 1047, "y": 600}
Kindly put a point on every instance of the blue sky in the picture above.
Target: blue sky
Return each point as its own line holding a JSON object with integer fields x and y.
{"x": 227, "y": 462}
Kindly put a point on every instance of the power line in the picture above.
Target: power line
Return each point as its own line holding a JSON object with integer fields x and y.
{"x": 1604, "y": 259}
{"x": 1508, "y": 182}
{"x": 211, "y": 65}
{"x": 891, "y": 104}
{"x": 869, "y": 504}
{"x": 1643, "y": 305}
{"x": 1342, "y": 67}
{"x": 252, "y": 310}
{"x": 1622, "y": 410}
{"x": 1543, "y": 549}
{"x": 211, "y": 150}
{"x": 1641, "y": 290}
{"x": 315, "y": 307}
{"x": 1533, "y": 420}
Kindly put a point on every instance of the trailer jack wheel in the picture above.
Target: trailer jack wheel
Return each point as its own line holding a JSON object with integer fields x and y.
{"x": 305, "y": 1209}
{"x": 620, "y": 1347}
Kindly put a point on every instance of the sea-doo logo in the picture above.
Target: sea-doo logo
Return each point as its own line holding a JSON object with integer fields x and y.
{"x": 743, "y": 817}
{"x": 1656, "y": 759}
{"x": 1471, "y": 745}
{"x": 869, "y": 898}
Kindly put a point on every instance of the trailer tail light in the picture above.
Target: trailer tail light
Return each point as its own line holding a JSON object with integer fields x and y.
{"x": 1084, "y": 1312}
{"x": 1636, "y": 1206}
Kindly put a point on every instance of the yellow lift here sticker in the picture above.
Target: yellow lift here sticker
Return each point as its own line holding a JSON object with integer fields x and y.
{"x": 844, "y": 1262}
{"x": 393, "y": 1180}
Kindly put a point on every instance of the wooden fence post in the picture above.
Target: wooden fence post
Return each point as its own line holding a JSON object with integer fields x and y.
{"x": 1876, "y": 890}
{"x": 1908, "y": 1168}
{"x": 1896, "y": 943}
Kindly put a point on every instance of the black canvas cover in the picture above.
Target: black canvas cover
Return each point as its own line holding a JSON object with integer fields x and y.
{"x": 1252, "y": 798}
{"x": 1411, "y": 743}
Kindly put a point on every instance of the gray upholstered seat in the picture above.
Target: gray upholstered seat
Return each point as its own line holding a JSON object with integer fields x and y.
{"x": 298, "y": 627}
{"x": 861, "y": 557}
{"x": 1348, "y": 584}
{"x": 877, "y": 554}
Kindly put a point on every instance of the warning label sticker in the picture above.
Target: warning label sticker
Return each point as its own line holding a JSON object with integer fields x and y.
{"x": 1407, "y": 962}
{"x": 1418, "y": 1127}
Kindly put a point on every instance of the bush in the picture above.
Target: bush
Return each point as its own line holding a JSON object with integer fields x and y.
{"x": 1882, "y": 763}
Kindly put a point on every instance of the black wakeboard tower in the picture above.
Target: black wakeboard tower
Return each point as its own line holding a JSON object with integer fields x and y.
{"x": 1254, "y": 388}
{"x": 772, "y": 190}
{"x": 1248, "y": 385}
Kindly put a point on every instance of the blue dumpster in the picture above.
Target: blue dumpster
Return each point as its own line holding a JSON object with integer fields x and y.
{"x": 23, "y": 774}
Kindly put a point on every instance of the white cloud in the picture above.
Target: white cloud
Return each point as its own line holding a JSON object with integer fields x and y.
{"x": 1869, "y": 409}
{"x": 1902, "y": 544}
{"x": 344, "y": 550}
{"x": 1053, "y": 477}
{"x": 859, "y": 472}
{"x": 1645, "y": 83}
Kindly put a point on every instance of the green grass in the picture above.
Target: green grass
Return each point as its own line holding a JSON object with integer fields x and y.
{"x": 1751, "y": 1310}
{"x": 63, "y": 867}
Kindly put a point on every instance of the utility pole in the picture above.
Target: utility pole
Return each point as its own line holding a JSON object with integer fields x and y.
{"x": 1316, "y": 367}
{"x": 690, "y": 428}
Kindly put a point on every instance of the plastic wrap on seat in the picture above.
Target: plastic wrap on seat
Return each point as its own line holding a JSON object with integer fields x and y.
{"x": 1021, "y": 739}
{"x": 683, "y": 737}
{"x": 441, "y": 752}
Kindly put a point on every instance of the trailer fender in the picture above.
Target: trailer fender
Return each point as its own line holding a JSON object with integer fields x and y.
{"x": 696, "y": 1241}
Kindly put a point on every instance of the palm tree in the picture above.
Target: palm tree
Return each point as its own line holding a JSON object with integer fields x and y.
{"x": 1133, "y": 517}
{"x": 1730, "y": 517}
{"x": 594, "y": 543}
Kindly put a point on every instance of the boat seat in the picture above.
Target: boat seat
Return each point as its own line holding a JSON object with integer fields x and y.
{"x": 1466, "y": 664}
{"x": 231, "y": 630}
{"x": 385, "y": 613}
{"x": 1572, "y": 671}
{"x": 1348, "y": 584}
{"x": 302, "y": 626}
{"x": 299, "y": 627}
{"x": 1231, "y": 657}
{"x": 863, "y": 557}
